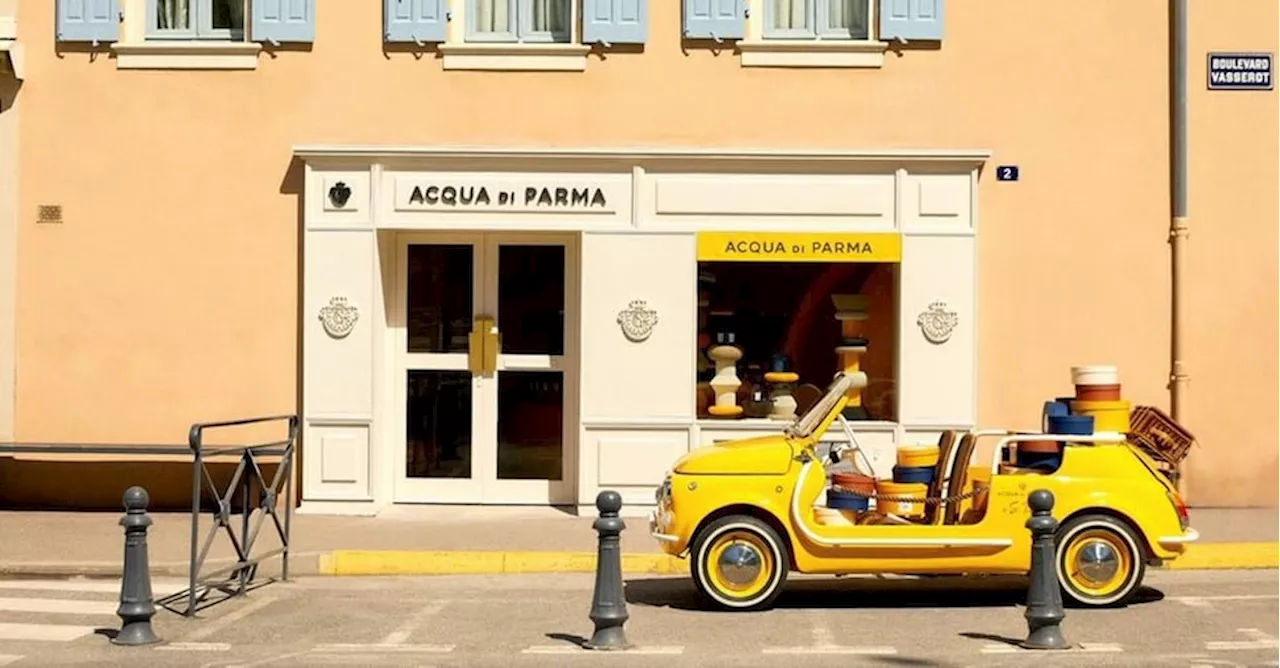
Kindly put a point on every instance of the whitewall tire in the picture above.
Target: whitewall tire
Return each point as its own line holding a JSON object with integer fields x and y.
{"x": 1099, "y": 561}
{"x": 739, "y": 563}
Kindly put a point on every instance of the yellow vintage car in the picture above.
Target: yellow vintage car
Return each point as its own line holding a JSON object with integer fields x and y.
{"x": 748, "y": 512}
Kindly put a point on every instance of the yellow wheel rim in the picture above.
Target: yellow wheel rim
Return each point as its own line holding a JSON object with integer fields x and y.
{"x": 740, "y": 564}
{"x": 1098, "y": 563}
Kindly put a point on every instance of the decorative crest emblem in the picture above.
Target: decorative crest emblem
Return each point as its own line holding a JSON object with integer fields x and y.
{"x": 637, "y": 320}
{"x": 937, "y": 323}
{"x": 339, "y": 317}
{"x": 339, "y": 194}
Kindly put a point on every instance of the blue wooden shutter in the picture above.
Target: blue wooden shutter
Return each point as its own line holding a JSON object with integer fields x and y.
{"x": 279, "y": 21}
{"x": 615, "y": 21}
{"x": 911, "y": 19}
{"x": 715, "y": 19}
{"x": 417, "y": 21}
{"x": 88, "y": 20}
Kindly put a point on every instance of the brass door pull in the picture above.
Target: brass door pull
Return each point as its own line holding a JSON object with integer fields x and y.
{"x": 483, "y": 344}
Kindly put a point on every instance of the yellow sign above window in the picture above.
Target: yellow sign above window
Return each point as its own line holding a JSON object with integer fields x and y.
{"x": 799, "y": 247}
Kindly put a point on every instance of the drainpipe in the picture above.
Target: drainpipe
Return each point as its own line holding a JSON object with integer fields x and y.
{"x": 1179, "y": 228}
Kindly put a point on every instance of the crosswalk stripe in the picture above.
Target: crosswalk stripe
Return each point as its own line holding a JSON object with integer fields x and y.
{"x": 58, "y": 606}
{"x": 159, "y": 587}
{"x": 43, "y": 632}
{"x": 6, "y": 659}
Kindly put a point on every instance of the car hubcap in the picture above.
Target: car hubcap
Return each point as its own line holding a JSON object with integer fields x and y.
{"x": 1097, "y": 562}
{"x": 740, "y": 564}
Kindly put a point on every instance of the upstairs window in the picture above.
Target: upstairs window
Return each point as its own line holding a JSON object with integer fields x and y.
{"x": 817, "y": 19}
{"x": 526, "y": 21}
{"x": 196, "y": 19}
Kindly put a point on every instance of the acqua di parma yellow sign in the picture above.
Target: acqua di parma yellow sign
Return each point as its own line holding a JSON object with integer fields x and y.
{"x": 799, "y": 247}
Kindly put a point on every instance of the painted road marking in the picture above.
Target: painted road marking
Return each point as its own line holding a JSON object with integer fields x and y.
{"x": 43, "y": 632}
{"x": 1257, "y": 640}
{"x": 159, "y": 587}
{"x": 1080, "y": 647}
{"x": 824, "y": 642}
{"x": 6, "y": 659}
{"x": 196, "y": 647}
{"x": 383, "y": 647}
{"x": 1207, "y": 602}
{"x": 574, "y": 649}
{"x": 406, "y": 629}
{"x": 228, "y": 619}
{"x": 58, "y": 606}
{"x": 832, "y": 649}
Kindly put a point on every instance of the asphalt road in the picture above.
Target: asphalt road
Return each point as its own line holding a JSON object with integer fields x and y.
{"x": 1186, "y": 618}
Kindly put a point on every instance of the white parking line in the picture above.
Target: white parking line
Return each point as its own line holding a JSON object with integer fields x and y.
{"x": 228, "y": 619}
{"x": 1080, "y": 647}
{"x": 574, "y": 649}
{"x": 383, "y": 647}
{"x": 1257, "y": 640}
{"x": 196, "y": 647}
{"x": 832, "y": 649}
{"x": 1206, "y": 602}
{"x": 407, "y": 628}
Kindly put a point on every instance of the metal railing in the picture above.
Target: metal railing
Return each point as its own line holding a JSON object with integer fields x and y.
{"x": 258, "y": 500}
{"x": 243, "y": 573}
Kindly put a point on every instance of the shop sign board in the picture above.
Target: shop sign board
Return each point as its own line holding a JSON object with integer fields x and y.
{"x": 799, "y": 247}
{"x": 478, "y": 193}
{"x": 1240, "y": 71}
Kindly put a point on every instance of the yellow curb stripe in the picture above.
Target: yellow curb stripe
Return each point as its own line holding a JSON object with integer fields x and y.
{"x": 414, "y": 562}
{"x": 1228, "y": 555}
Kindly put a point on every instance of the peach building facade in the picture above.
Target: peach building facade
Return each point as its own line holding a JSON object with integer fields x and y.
{"x": 483, "y": 247}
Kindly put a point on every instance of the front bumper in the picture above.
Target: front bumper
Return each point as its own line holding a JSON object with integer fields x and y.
{"x": 660, "y": 518}
{"x": 657, "y": 528}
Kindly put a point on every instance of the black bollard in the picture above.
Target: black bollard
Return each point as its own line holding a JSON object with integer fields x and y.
{"x": 136, "y": 606}
{"x": 1044, "y": 598}
{"x": 608, "y": 604}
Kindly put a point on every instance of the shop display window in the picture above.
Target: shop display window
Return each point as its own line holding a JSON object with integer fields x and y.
{"x": 782, "y": 330}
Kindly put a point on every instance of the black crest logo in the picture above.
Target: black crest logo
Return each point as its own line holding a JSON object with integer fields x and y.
{"x": 339, "y": 194}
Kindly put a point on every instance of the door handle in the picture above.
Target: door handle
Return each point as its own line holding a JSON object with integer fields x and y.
{"x": 492, "y": 346}
{"x": 483, "y": 344}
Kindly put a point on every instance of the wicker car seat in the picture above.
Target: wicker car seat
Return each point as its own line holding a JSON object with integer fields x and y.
{"x": 959, "y": 477}
{"x": 946, "y": 441}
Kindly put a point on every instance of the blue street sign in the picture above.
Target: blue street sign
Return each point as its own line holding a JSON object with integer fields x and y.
{"x": 1240, "y": 71}
{"x": 1007, "y": 173}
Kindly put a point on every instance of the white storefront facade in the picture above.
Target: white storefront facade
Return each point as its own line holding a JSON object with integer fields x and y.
{"x": 529, "y": 326}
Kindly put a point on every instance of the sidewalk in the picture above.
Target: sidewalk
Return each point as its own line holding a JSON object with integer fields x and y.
{"x": 454, "y": 540}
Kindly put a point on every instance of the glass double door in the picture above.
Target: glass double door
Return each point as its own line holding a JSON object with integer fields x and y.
{"x": 483, "y": 367}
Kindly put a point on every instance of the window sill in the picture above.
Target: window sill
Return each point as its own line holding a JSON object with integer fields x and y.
{"x": 158, "y": 55}
{"x": 518, "y": 57}
{"x": 812, "y": 53}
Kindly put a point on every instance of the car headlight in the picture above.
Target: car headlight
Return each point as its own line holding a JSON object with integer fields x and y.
{"x": 664, "y": 490}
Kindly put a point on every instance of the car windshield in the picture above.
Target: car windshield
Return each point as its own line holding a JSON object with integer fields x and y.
{"x": 807, "y": 423}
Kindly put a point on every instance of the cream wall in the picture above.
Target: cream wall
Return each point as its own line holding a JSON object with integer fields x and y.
{"x": 8, "y": 246}
{"x": 1231, "y": 265}
{"x": 9, "y": 87}
{"x": 170, "y": 292}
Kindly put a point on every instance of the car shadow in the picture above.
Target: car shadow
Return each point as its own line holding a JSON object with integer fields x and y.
{"x": 862, "y": 593}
